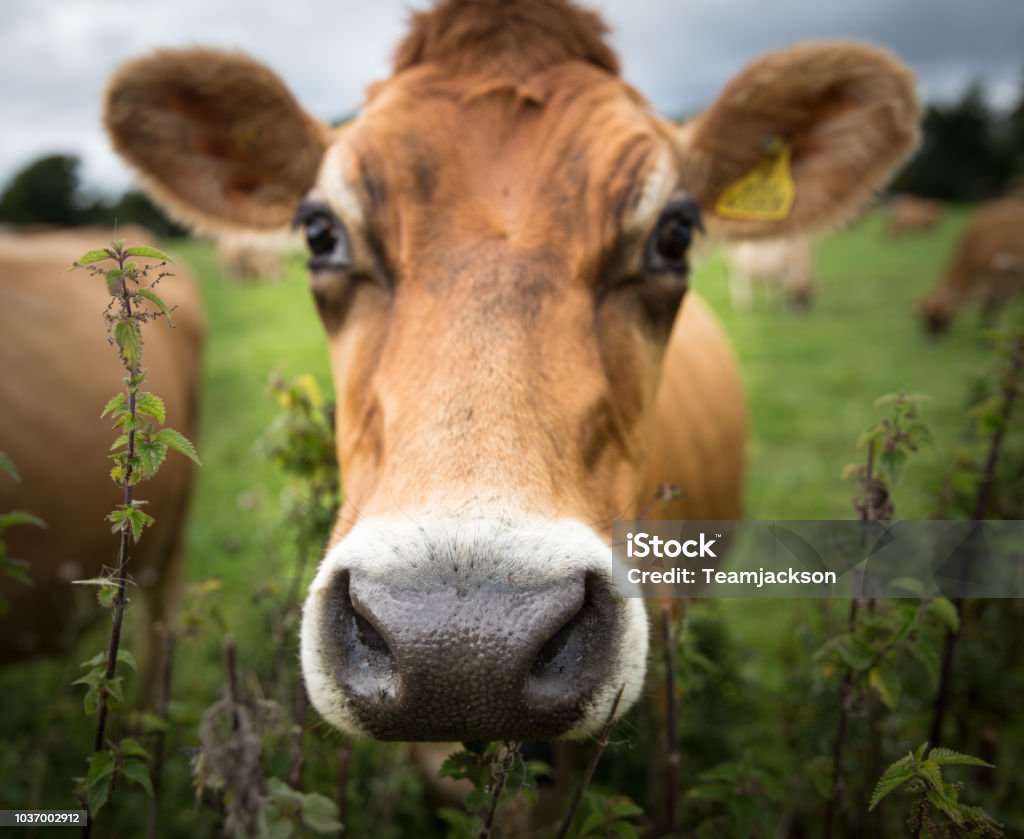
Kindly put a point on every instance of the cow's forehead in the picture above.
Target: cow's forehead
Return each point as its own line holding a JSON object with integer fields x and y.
{"x": 573, "y": 148}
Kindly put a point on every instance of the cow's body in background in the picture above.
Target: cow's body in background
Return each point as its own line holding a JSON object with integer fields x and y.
{"x": 987, "y": 268}
{"x": 909, "y": 214}
{"x": 781, "y": 268}
{"x": 58, "y": 372}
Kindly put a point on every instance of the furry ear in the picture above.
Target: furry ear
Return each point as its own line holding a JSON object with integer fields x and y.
{"x": 214, "y": 136}
{"x": 800, "y": 139}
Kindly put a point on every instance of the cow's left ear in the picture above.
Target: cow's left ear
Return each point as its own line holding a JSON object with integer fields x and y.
{"x": 800, "y": 139}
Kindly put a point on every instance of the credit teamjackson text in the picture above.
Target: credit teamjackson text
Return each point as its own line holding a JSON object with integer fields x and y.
{"x": 645, "y": 545}
{"x": 910, "y": 559}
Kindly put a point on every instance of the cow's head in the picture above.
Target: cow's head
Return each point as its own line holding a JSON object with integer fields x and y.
{"x": 498, "y": 251}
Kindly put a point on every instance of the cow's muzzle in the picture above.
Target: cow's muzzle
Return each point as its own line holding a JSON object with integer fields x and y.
{"x": 464, "y": 646}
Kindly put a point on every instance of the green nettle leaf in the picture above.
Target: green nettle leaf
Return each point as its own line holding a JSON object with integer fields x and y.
{"x": 320, "y": 814}
{"x": 7, "y": 467}
{"x": 98, "y": 794}
{"x": 892, "y": 779}
{"x": 152, "y": 454}
{"x": 114, "y": 277}
{"x": 106, "y": 596}
{"x": 129, "y": 339}
{"x": 115, "y": 692}
{"x": 126, "y": 658}
{"x": 948, "y": 757}
{"x": 116, "y": 407}
{"x": 157, "y": 301}
{"x": 135, "y": 518}
{"x": 129, "y": 747}
{"x": 179, "y": 442}
{"x": 151, "y": 405}
{"x": 945, "y": 612}
{"x": 88, "y": 258}
{"x": 143, "y": 250}
{"x": 138, "y": 771}
{"x": 101, "y": 765}
{"x": 120, "y": 442}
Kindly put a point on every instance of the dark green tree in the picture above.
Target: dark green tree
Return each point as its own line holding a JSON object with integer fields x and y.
{"x": 44, "y": 192}
{"x": 962, "y": 157}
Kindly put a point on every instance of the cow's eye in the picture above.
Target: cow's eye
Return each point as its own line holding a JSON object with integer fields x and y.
{"x": 671, "y": 238}
{"x": 325, "y": 237}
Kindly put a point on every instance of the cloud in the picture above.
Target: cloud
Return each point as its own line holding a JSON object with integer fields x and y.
{"x": 58, "y": 54}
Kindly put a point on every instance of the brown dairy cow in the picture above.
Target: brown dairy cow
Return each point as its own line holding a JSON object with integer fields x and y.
{"x": 58, "y": 373}
{"x": 910, "y": 214}
{"x": 499, "y": 254}
{"x": 987, "y": 268}
{"x": 785, "y": 266}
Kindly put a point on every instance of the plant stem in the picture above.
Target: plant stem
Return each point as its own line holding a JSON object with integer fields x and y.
{"x": 588, "y": 772}
{"x": 1011, "y": 385}
{"x": 501, "y": 766}
{"x": 868, "y": 512}
{"x": 122, "y": 556}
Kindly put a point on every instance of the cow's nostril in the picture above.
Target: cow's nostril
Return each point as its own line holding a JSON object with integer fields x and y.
{"x": 558, "y": 670}
{"x": 367, "y": 664}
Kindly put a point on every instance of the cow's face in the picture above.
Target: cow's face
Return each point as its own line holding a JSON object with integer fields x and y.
{"x": 497, "y": 256}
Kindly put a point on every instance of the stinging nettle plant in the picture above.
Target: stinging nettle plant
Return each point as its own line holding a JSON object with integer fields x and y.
{"x": 138, "y": 451}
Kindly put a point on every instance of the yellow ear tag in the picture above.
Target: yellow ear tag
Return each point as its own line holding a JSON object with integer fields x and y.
{"x": 765, "y": 193}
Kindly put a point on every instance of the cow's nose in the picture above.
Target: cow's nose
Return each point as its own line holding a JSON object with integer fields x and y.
{"x": 457, "y": 658}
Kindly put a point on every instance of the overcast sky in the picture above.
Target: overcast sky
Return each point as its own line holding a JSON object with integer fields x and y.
{"x": 57, "y": 54}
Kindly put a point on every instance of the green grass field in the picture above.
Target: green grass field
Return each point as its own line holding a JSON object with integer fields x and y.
{"x": 811, "y": 380}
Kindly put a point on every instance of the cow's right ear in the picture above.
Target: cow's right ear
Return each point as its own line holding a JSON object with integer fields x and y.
{"x": 215, "y": 137}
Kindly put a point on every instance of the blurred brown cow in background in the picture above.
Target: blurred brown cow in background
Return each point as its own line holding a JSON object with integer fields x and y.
{"x": 987, "y": 268}
{"x": 58, "y": 371}
{"x": 255, "y": 257}
{"x": 910, "y": 214}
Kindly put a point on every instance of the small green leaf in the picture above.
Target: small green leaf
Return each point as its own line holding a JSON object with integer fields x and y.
{"x": 7, "y": 467}
{"x": 945, "y": 612}
{"x": 130, "y": 747}
{"x": 115, "y": 692}
{"x": 97, "y": 795}
{"x": 151, "y": 405}
{"x": 143, "y": 250}
{"x": 129, "y": 339}
{"x": 892, "y": 779}
{"x": 138, "y": 771}
{"x": 116, "y": 406}
{"x": 114, "y": 277}
{"x": 948, "y": 757}
{"x": 179, "y": 442}
{"x": 320, "y": 814}
{"x": 152, "y": 454}
{"x": 156, "y": 300}
{"x": 88, "y": 258}
{"x": 126, "y": 658}
{"x": 101, "y": 765}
